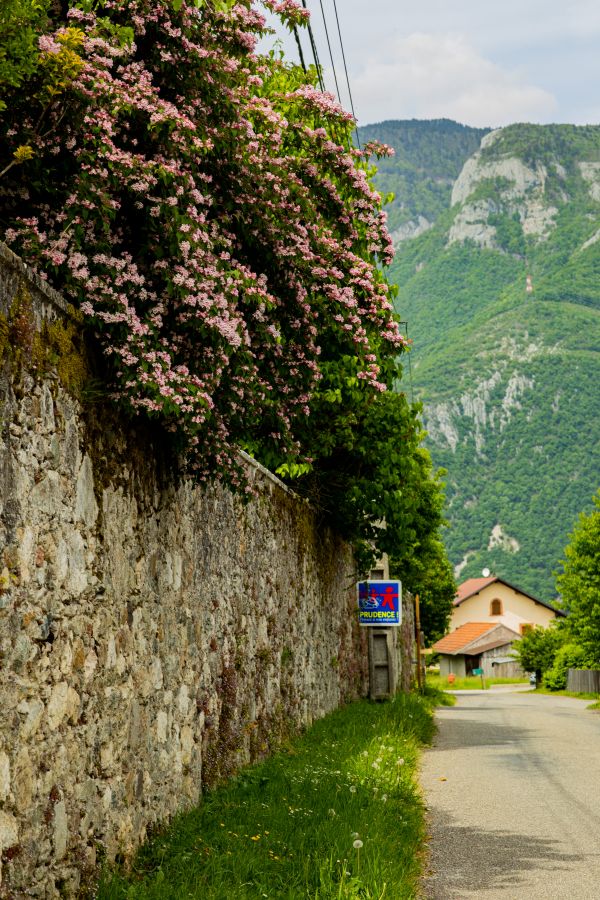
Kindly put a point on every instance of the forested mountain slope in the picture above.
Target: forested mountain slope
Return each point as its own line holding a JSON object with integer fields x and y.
{"x": 427, "y": 161}
{"x": 502, "y": 297}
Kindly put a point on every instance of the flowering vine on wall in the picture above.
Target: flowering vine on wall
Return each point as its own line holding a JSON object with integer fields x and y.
{"x": 203, "y": 206}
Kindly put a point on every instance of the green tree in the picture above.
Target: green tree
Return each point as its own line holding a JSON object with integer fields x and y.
{"x": 21, "y": 22}
{"x": 426, "y": 570}
{"x": 579, "y": 584}
{"x": 537, "y": 649}
{"x": 368, "y": 467}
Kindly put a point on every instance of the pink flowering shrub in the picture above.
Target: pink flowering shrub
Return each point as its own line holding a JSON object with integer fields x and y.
{"x": 205, "y": 209}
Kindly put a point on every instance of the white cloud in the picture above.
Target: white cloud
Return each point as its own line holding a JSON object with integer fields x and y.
{"x": 428, "y": 75}
{"x": 491, "y": 24}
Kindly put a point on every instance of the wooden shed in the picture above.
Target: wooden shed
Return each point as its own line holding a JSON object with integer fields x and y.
{"x": 479, "y": 645}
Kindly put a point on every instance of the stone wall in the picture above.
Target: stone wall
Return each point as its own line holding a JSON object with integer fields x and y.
{"x": 153, "y": 636}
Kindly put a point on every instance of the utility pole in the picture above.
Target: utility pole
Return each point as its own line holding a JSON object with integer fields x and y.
{"x": 418, "y": 637}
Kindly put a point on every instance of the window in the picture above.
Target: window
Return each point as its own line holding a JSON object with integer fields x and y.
{"x": 496, "y": 607}
{"x": 526, "y": 627}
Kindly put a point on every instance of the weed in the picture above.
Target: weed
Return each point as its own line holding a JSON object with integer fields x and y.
{"x": 337, "y": 815}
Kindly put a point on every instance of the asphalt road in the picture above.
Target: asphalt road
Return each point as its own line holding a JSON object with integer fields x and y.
{"x": 512, "y": 786}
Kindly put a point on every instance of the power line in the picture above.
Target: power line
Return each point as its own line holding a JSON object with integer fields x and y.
{"x": 297, "y": 36}
{"x": 318, "y": 65}
{"x": 337, "y": 19}
{"x": 314, "y": 50}
{"x": 337, "y": 87}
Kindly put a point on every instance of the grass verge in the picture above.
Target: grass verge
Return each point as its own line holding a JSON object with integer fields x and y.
{"x": 336, "y": 815}
{"x": 472, "y": 683}
{"x": 582, "y": 696}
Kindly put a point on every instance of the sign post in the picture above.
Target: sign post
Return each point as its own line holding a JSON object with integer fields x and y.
{"x": 379, "y": 603}
{"x": 479, "y": 672}
{"x": 379, "y": 607}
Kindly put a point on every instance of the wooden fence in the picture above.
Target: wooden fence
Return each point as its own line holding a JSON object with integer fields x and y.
{"x": 584, "y": 681}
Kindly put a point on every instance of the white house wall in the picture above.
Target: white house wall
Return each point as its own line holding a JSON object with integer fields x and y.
{"x": 518, "y": 609}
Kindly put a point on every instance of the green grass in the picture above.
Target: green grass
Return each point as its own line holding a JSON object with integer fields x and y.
{"x": 586, "y": 695}
{"x": 287, "y": 828}
{"x": 472, "y": 683}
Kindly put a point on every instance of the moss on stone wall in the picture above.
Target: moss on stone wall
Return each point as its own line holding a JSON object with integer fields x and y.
{"x": 17, "y": 330}
{"x": 58, "y": 347}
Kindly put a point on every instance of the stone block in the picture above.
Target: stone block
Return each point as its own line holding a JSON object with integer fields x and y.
{"x": 33, "y": 710}
{"x": 9, "y": 831}
{"x": 60, "y": 830}
{"x": 86, "y": 507}
{"x": 24, "y": 779}
{"x": 58, "y": 705}
{"x": 4, "y": 776}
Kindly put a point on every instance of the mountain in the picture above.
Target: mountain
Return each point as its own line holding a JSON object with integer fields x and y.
{"x": 502, "y": 298}
{"x": 427, "y": 161}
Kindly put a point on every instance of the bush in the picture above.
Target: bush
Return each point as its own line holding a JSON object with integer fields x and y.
{"x": 568, "y": 657}
{"x": 537, "y": 649}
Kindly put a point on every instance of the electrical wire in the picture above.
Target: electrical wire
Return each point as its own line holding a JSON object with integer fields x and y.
{"x": 297, "y": 36}
{"x": 314, "y": 50}
{"x": 337, "y": 87}
{"x": 337, "y": 19}
{"x": 318, "y": 65}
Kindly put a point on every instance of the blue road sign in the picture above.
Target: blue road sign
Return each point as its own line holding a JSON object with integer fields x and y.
{"x": 379, "y": 603}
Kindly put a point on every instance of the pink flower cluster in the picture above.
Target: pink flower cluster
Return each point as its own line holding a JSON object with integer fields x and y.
{"x": 213, "y": 229}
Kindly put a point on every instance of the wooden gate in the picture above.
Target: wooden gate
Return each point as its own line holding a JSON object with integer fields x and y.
{"x": 383, "y": 668}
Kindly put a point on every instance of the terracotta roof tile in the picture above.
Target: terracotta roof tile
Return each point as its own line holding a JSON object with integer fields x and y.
{"x": 472, "y": 586}
{"x": 462, "y": 636}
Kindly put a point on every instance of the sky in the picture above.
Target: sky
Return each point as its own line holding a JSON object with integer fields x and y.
{"x": 480, "y": 62}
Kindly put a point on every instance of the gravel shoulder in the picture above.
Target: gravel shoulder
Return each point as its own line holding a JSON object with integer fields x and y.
{"x": 512, "y": 785}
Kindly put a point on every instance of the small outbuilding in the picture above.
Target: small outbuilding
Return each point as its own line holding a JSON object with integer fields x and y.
{"x": 479, "y": 645}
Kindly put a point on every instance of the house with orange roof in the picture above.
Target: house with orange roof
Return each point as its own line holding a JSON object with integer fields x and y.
{"x": 498, "y": 602}
{"x": 478, "y": 645}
